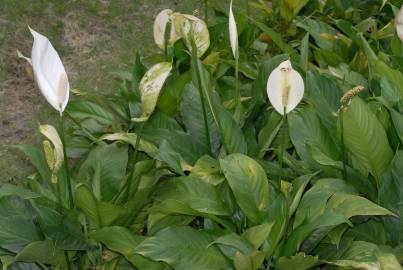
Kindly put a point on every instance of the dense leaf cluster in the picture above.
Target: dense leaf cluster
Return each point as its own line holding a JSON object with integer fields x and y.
{"x": 182, "y": 177}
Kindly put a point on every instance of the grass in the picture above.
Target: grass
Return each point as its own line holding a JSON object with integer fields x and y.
{"x": 94, "y": 38}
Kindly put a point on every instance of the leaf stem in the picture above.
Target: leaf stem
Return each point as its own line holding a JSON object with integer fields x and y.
{"x": 343, "y": 147}
{"x": 283, "y": 142}
{"x": 237, "y": 90}
{"x": 66, "y": 165}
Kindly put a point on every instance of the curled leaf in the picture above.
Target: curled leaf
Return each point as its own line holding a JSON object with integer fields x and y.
{"x": 150, "y": 88}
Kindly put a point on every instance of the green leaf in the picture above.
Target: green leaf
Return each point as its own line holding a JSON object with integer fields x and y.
{"x": 170, "y": 98}
{"x": 304, "y": 59}
{"x": 121, "y": 240}
{"x": 391, "y": 197}
{"x": 8, "y": 190}
{"x": 192, "y": 115}
{"x": 307, "y": 236}
{"x": 131, "y": 139}
{"x": 360, "y": 255}
{"x": 366, "y": 139}
{"x": 350, "y": 205}
{"x": 150, "y": 87}
{"x": 17, "y": 228}
{"x": 397, "y": 119}
{"x": 269, "y": 132}
{"x": 248, "y": 181}
{"x": 248, "y": 262}
{"x": 258, "y": 234}
{"x": 183, "y": 248}
{"x": 306, "y": 129}
{"x": 42, "y": 252}
{"x": 104, "y": 170}
{"x": 277, "y": 39}
{"x": 208, "y": 170}
{"x": 314, "y": 201}
{"x": 168, "y": 155}
{"x": 81, "y": 110}
{"x": 65, "y": 233}
{"x": 325, "y": 95}
{"x": 231, "y": 134}
{"x": 37, "y": 158}
{"x": 298, "y": 188}
{"x": 99, "y": 214}
{"x": 301, "y": 261}
{"x": 235, "y": 241}
{"x": 277, "y": 213}
{"x": 195, "y": 193}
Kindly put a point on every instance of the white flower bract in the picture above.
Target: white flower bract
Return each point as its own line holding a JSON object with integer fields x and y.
{"x": 285, "y": 88}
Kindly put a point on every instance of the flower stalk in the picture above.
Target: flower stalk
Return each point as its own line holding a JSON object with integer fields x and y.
{"x": 66, "y": 165}
{"x": 345, "y": 102}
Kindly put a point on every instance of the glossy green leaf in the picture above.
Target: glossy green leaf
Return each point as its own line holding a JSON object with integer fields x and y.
{"x": 307, "y": 130}
{"x": 192, "y": 114}
{"x": 131, "y": 139}
{"x": 183, "y": 248}
{"x": 81, "y": 110}
{"x": 150, "y": 87}
{"x": 301, "y": 261}
{"x": 195, "y": 193}
{"x": 391, "y": 197}
{"x": 42, "y": 252}
{"x": 248, "y": 262}
{"x": 121, "y": 240}
{"x": 208, "y": 170}
{"x": 104, "y": 170}
{"x": 366, "y": 139}
{"x": 99, "y": 214}
{"x": 249, "y": 184}
{"x": 277, "y": 39}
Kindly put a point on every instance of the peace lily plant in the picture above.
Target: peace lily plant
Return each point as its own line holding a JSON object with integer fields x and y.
{"x": 51, "y": 78}
{"x": 172, "y": 171}
{"x": 233, "y": 36}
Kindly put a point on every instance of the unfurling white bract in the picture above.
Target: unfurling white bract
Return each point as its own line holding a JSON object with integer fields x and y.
{"x": 233, "y": 32}
{"x": 285, "y": 88}
{"x": 54, "y": 155}
{"x": 49, "y": 72}
{"x": 399, "y": 23}
{"x": 193, "y": 29}
{"x": 183, "y": 26}
{"x": 161, "y": 22}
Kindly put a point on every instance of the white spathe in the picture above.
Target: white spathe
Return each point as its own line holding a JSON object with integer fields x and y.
{"x": 233, "y": 32}
{"x": 49, "y": 72}
{"x": 160, "y": 25}
{"x": 285, "y": 88}
{"x": 399, "y": 23}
